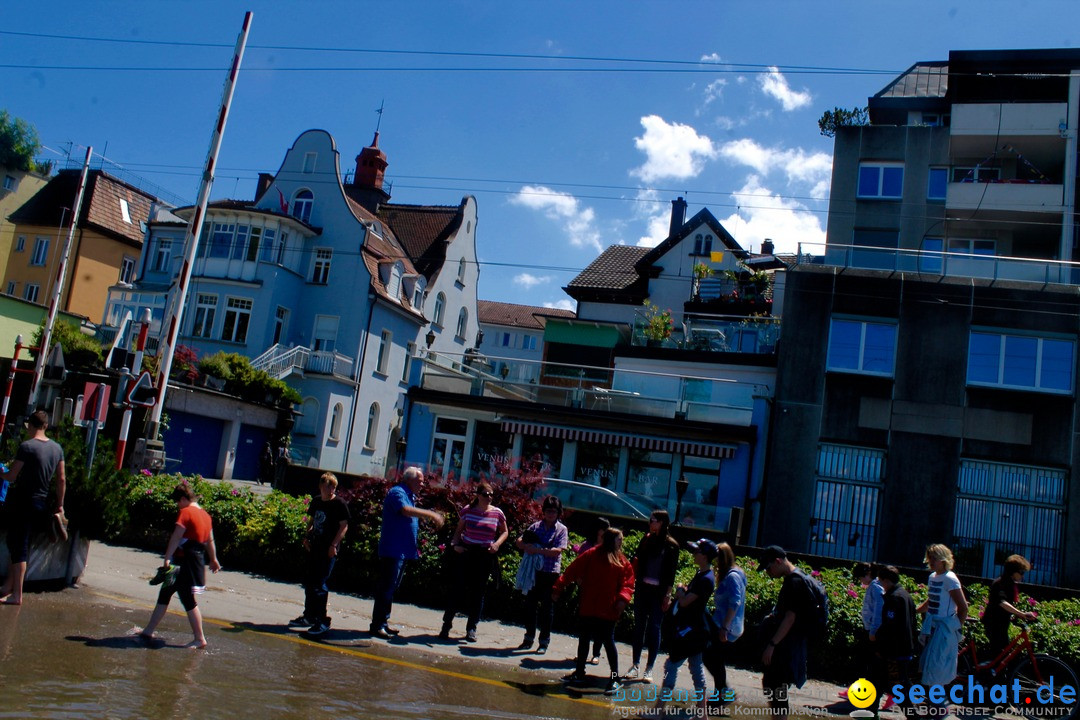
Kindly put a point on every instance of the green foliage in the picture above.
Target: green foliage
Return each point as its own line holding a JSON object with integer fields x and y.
{"x": 244, "y": 381}
{"x": 80, "y": 350}
{"x": 842, "y": 117}
{"x": 658, "y": 323}
{"x": 18, "y": 143}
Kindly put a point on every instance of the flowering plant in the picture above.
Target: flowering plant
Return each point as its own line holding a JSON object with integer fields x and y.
{"x": 658, "y": 323}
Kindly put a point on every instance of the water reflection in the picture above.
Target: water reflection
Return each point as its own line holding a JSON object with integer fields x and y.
{"x": 74, "y": 655}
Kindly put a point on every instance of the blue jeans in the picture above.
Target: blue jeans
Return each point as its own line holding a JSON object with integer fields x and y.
{"x": 391, "y": 571}
{"x": 697, "y": 672}
{"x": 647, "y": 617}
{"x": 315, "y": 590}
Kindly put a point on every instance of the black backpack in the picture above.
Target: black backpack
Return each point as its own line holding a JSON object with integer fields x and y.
{"x": 818, "y": 622}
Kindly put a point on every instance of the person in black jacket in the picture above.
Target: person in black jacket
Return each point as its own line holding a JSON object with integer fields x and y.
{"x": 1001, "y": 603}
{"x": 655, "y": 562}
{"x": 895, "y": 640}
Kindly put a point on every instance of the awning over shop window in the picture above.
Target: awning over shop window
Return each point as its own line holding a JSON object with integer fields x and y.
{"x": 581, "y": 333}
{"x": 685, "y": 447}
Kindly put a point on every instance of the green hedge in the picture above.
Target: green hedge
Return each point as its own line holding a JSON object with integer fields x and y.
{"x": 264, "y": 533}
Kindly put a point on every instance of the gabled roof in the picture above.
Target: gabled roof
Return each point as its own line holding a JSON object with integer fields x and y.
{"x": 703, "y": 216}
{"x": 382, "y": 250}
{"x": 921, "y": 80}
{"x": 612, "y": 276}
{"x": 101, "y": 208}
{"x": 514, "y": 315}
{"x": 423, "y": 231}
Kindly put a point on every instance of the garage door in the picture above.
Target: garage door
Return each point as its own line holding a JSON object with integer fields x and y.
{"x": 193, "y": 444}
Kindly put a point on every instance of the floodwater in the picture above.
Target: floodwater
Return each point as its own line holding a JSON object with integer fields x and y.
{"x": 73, "y": 655}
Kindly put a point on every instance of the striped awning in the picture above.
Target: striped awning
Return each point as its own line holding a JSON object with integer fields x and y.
{"x": 603, "y": 437}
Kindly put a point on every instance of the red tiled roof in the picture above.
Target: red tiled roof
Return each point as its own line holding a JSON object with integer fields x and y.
{"x": 423, "y": 231}
{"x": 511, "y": 314}
{"x": 613, "y": 270}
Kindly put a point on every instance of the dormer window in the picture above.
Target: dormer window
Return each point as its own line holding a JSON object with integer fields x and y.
{"x": 418, "y": 295}
{"x": 302, "y": 204}
{"x": 393, "y": 284}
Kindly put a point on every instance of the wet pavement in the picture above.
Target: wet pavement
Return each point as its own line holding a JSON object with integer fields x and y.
{"x": 74, "y": 654}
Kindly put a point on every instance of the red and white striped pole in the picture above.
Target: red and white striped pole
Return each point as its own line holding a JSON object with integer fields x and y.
{"x": 10, "y": 383}
{"x": 194, "y": 229}
{"x": 136, "y": 369}
{"x": 58, "y": 286}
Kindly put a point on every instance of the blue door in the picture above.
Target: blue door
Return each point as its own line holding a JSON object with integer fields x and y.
{"x": 248, "y": 449}
{"x": 193, "y": 444}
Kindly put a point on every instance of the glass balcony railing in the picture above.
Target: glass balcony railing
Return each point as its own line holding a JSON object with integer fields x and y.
{"x": 949, "y": 264}
{"x": 756, "y": 334}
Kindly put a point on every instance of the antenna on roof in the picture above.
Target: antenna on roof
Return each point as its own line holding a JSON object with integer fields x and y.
{"x": 380, "y": 112}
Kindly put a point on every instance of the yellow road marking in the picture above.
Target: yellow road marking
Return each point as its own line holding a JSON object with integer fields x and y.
{"x": 356, "y": 653}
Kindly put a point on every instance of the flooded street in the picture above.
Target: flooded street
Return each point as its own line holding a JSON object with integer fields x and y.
{"x": 73, "y": 655}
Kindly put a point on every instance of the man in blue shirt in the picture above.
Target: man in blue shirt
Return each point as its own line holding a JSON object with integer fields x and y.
{"x": 397, "y": 544}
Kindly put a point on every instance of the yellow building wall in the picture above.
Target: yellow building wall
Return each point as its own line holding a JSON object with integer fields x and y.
{"x": 28, "y": 186}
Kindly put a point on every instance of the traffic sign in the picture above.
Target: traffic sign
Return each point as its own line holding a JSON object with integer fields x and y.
{"x": 90, "y": 402}
{"x": 143, "y": 392}
{"x": 54, "y": 370}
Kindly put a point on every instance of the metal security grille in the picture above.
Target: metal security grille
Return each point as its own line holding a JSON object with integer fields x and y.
{"x": 1005, "y": 509}
{"x": 844, "y": 519}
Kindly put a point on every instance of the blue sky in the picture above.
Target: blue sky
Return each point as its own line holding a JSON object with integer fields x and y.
{"x": 573, "y": 123}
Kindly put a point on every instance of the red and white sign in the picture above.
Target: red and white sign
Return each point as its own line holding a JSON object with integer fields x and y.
{"x": 90, "y": 402}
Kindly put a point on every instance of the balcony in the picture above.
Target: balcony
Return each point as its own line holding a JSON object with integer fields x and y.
{"x": 1006, "y": 197}
{"x": 949, "y": 264}
{"x": 631, "y": 392}
{"x": 701, "y": 332}
{"x": 280, "y": 362}
{"x": 1008, "y": 119}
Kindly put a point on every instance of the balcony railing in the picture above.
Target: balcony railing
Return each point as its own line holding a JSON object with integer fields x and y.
{"x": 633, "y": 392}
{"x": 950, "y": 264}
{"x": 717, "y": 333}
{"x": 279, "y": 362}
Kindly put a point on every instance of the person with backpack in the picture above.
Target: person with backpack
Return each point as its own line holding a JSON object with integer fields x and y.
{"x": 689, "y": 627}
{"x": 894, "y": 638}
{"x": 801, "y": 609}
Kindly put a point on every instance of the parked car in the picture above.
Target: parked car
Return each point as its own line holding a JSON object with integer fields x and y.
{"x": 596, "y": 500}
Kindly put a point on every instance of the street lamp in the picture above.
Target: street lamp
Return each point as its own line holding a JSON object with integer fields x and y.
{"x": 681, "y": 485}
{"x": 430, "y": 338}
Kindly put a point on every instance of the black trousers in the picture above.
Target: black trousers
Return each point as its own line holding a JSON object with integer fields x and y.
{"x": 539, "y": 609}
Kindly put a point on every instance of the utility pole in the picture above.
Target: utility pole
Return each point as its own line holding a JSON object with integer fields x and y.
{"x": 194, "y": 229}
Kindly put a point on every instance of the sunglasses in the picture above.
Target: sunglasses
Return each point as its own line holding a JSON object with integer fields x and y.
{"x": 487, "y": 494}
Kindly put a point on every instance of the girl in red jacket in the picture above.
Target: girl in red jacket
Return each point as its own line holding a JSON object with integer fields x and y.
{"x": 606, "y": 579}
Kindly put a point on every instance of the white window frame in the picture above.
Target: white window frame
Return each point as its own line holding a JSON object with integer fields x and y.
{"x": 302, "y": 204}
{"x": 221, "y": 240}
{"x": 967, "y": 246}
{"x": 237, "y": 309}
{"x": 320, "y": 266}
{"x": 462, "y": 323}
{"x": 127, "y": 269}
{"x": 12, "y": 286}
{"x": 439, "y": 311}
{"x": 205, "y": 315}
{"x": 40, "y": 255}
{"x": 20, "y": 243}
{"x": 862, "y": 359}
{"x": 124, "y": 212}
{"x": 410, "y": 350}
{"x": 335, "y": 422}
{"x": 1003, "y": 361}
{"x": 382, "y": 359}
{"x": 163, "y": 255}
{"x": 418, "y": 295}
{"x": 321, "y": 340}
{"x": 371, "y": 435}
{"x": 881, "y": 168}
{"x": 240, "y": 242}
{"x": 393, "y": 283}
{"x": 10, "y": 183}
{"x": 461, "y": 271}
{"x": 31, "y": 292}
{"x": 310, "y": 159}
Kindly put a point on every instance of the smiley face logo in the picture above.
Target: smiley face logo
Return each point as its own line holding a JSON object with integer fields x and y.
{"x": 862, "y": 693}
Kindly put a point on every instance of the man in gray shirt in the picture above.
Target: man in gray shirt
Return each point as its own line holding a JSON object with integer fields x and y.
{"x": 36, "y": 462}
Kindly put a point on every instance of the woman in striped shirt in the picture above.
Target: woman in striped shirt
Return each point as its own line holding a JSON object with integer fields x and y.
{"x": 480, "y": 533}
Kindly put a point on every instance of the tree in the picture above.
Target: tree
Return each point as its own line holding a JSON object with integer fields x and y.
{"x": 18, "y": 143}
{"x": 842, "y": 117}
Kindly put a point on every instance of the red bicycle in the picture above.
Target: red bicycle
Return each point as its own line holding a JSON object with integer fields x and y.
{"x": 1034, "y": 671}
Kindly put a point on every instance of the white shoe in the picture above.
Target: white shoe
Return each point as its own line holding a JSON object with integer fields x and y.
{"x": 595, "y": 660}
{"x": 632, "y": 673}
{"x": 647, "y": 675}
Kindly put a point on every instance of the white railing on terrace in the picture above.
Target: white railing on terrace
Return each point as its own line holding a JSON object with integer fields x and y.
{"x": 692, "y": 398}
{"x": 280, "y": 361}
{"x": 949, "y": 264}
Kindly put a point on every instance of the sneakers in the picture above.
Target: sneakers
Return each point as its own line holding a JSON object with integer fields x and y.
{"x": 318, "y": 628}
{"x": 526, "y": 644}
{"x": 613, "y": 687}
{"x": 647, "y": 675}
{"x": 632, "y": 673}
{"x": 541, "y": 650}
{"x": 575, "y": 678}
{"x": 444, "y": 634}
{"x": 301, "y": 622}
{"x": 595, "y": 660}
{"x": 470, "y": 635}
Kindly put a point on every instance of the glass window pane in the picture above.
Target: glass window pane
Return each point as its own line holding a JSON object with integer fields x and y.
{"x": 868, "y": 181}
{"x": 1020, "y": 354}
{"x": 880, "y": 348}
{"x": 937, "y": 184}
{"x": 1057, "y": 365}
{"x": 844, "y": 340}
{"x": 892, "y": 181}
{"x": 982, "y": 247}
{"x": 929, "y": 262}
{"x": 984, "y": 352}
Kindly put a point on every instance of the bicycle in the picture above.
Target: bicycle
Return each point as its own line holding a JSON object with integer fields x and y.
{"x": 1034, "y": 671}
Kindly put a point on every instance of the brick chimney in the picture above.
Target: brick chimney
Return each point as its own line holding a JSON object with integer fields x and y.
{"x": 370, "y": 165}
{"x": 265, "y": 179}
{"x": 767, "y": 247}
{"x": 678, "y": 215}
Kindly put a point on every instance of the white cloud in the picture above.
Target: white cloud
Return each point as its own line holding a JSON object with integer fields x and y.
{"x": 715, "y": 90}
{"x": 763, "y": 214}
{"x": 711, "y": 58}
{"x": 528, "y": 281}
{"x": 577, "y": 221}
{"x": 562, "y": 305}
{"x": 672, "y": 150}
{"x": 776, "y": 85}
{"x": 810, "y": 169}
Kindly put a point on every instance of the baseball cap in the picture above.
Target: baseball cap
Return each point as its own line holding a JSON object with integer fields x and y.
{"x": 704, "y": 546}
{"x": 768, "y": 555}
